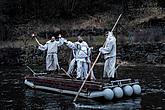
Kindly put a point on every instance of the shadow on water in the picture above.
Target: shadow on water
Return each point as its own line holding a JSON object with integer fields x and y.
{"x": 15, "y": 95}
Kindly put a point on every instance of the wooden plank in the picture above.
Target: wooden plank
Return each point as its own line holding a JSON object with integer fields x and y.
{"x": 64, "y": 84}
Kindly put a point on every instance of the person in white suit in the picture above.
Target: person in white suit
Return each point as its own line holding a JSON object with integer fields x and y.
{"x": 109, "y": 52}
{"x": 81, "y": 57}
{"x": 73, "y": 61}
{"x": 52, "y": 47}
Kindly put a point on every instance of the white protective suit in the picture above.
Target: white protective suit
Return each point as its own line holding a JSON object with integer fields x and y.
{"x": 73, "y": 62}
{"x": 109, "y": 52}
{"x": 51, "y": 58}
{"x": 81, "y": 57}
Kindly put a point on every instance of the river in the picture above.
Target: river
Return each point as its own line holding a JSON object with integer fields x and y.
{"x": 14, "y": 95}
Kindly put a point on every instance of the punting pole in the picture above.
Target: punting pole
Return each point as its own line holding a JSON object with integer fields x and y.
{"x": 94, "y": 63}
{"x": 66, "y": 73}
{"x": 31, "y": 70}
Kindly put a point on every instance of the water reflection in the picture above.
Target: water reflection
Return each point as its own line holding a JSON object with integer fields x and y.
{"x": 41, "y": 100}
{"x": 128, "y": 104}
{"x": 14, "y": 94}
{"x": 35, "y": 99}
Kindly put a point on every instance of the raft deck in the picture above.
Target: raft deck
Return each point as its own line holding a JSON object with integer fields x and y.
{"x": 63, "y": 83}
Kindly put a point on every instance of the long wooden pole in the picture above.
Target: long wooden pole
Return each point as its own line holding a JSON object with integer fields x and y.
{"x": 66, "y": 73}
{"x": 94, "y": 63}
{"x": 31, "y": 70}
{"x": 33, "y": 35}
{"x": 92, "y": 76}
{"x": 116, "y": 22}
{"x": 37, "y": 41}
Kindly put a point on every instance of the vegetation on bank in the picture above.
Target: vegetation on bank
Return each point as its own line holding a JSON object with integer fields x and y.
{"x": 143, "y": 53}
{"x": 20, "y": 18}
{"x": 142, "y": 24}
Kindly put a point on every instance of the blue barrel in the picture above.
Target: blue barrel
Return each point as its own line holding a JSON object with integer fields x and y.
{"x": 128, "y": 90}
{"x": 118, "y": 92}
{"x": 136, "y": 89}
{"x": 108, "y": 94}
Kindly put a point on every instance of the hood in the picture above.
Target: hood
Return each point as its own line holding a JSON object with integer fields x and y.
{"x": 110, "y": 36}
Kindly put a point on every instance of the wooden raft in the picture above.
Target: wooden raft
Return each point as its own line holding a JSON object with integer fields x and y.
{"x": 65, "y": 84}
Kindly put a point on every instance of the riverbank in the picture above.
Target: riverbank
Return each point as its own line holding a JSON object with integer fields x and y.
{"x": 128, "y": 54}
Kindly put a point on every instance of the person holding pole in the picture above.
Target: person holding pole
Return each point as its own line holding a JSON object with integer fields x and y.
{"x": 81, "y": 58}
{"x": 73, "y": 62}
{"x": 109, "y": 52}
{"x": 94, "y": 63}
{"x": 52, "y": 47}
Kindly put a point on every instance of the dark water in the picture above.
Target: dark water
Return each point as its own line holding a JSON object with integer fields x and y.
{"x": 15, "y": 96}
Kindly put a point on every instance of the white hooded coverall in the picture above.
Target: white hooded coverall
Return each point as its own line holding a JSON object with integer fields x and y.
{"x": 73, "y": 62}
{"x": 109, "y": 52}
{"x": 81, "y": 57}
{"x": 51, "y": 58}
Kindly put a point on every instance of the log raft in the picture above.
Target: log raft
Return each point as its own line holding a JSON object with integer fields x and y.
{"x": 92, "y": 89}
